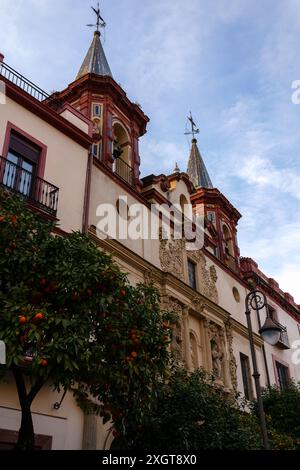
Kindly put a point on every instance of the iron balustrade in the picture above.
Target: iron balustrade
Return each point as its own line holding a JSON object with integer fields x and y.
{"x": 123, "y": 170}
{"x": 26, "y": 85}
{"x": 32, "y": 188}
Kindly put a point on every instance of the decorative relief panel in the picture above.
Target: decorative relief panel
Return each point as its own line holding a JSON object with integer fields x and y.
{"x": 208, "y": 277}
{"x": 232, "y": 360}
{"x": 178, "y": 344}
{"x": 216, "y": 336}
{"x": 171, "y": 256}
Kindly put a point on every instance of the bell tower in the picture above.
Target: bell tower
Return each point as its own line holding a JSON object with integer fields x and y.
{"x": 221, "y": 218}
{"x": 118, "y": 123}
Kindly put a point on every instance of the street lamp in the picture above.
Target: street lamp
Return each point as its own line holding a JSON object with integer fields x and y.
{"x": 270, "y": 333}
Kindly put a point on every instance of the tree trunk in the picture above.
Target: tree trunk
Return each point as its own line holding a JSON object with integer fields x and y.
{"x": 26, "y": 432}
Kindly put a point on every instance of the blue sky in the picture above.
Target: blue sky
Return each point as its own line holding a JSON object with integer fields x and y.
{"x": 231, "y": 62}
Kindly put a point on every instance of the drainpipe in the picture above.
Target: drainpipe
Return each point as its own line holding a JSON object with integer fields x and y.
{"x": 87, "y": 193}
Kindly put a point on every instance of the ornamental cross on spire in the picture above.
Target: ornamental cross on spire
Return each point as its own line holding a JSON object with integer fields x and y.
{"x": 194, "y": 129}
{"x": 100, "y": 21}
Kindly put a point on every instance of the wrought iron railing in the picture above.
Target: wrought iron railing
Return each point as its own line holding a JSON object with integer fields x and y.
{"x": 34, "y": 189}
{"x": 26, "y": 85}
{"x": 283, "y": 342}
{"x": 123, "y": 170}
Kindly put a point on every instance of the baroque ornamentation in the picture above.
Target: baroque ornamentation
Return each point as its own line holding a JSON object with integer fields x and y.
{"x": 208, "y": 277}
{"x": 198, "y": 303}
{"x": 232, "y": 360}
{"x": 171, "y": 255}
{"x": 177, "y": 334}
{"x": 216, "y": 337}
{"x": 149, "y": 276}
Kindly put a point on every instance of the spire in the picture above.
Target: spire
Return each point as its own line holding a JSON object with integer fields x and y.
{"x": 95, "y": 60}
{"x": 196, "y": 168}
{"x": 176, "y": 169}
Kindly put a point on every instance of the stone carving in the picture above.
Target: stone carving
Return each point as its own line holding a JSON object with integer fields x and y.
{"x": 208, "y": 277}
{"x": 217, "y": 359}
{"x": 216, "y": 337}
{"x": 232, "y": 361}
{"x": 171, "y": 255}
{"x": 149, "y": 276}
{"x": 177, "y": 345}
{"x": 198, "y": 303}
{"x": 177, "y": 342}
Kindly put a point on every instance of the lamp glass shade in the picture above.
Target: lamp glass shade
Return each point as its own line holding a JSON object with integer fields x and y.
{"x": 270, "y": 332}
{"x": 271, "y": 336}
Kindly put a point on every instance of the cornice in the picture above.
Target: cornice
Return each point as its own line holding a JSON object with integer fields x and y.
{"x": 165, "y": 279}
{"x": 214, "y": 196}
{"x": 243, "y": 331}
{"x": 105, "y": 86}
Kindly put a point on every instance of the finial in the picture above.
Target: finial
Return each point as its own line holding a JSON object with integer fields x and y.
{"x": 176, "y": 169}
{"x": 194, "y": 129}
{"x": 100, "y": 21}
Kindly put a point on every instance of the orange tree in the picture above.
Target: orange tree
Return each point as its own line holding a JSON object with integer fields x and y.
{"x": 71, "y": 320}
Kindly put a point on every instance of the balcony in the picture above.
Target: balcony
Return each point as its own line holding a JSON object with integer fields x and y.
{"x": 124, "y": 171}
{"x": 283, "y": 342}
{"x": 26, "y": 85}
{"x": 33, "y": 189}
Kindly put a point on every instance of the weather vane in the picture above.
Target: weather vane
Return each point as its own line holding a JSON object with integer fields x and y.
{"x": 100, "y": 21}
{"x": 194, "y": 128}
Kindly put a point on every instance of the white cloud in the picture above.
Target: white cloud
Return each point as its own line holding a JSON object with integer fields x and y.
{"x": 259, "y": 170}
{"x": 166, "y": 152}
{"x": 288, "y": 278}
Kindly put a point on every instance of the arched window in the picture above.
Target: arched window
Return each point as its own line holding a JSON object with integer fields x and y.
{"x": 183, "y": 202}
{"x": 121, "y": 153}
{"x": 121, "y": 143}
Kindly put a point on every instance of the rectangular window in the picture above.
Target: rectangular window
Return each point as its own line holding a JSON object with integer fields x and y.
{"x": 246, "y": 374}
{"x": 21, "y": 164}
{"x": 282, "y": 375}
{"x": 97, "y": 110}
{"x": 192, "y": 274}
